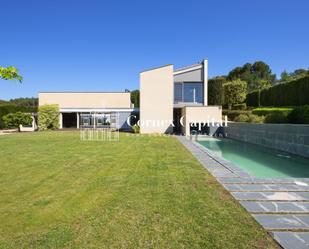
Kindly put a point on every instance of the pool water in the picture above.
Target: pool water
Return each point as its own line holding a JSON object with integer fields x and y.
{"x": 257, "y": 160}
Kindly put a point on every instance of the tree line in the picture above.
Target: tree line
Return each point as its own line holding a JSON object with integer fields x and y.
{"x": 232, "y": 89}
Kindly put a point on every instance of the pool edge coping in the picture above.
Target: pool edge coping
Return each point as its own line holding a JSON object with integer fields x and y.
{"x": 238, "y": 174}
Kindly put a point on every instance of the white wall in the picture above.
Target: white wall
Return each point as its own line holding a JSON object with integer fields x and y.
{"x": 156, "y": 100}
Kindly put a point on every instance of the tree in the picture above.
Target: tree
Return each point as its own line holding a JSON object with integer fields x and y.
{"x": 215, "y": 90}
{"x": 234, "y": 92}
{"x": 13, "y": 120}
{"x": 253, "y": 74}
{"x": 297, "y": 74}
{"x": 135, "y": 98}
{"x": 28, "y": 102}
{"x": 48, "y": 117}
{"x": 10, "y": 73}
{"x": 285, "y": 76}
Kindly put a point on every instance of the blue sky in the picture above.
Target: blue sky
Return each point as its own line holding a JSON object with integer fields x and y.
{"x": 103, "y": 45}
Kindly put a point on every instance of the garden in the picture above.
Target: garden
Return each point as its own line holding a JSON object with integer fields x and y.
{"x": 141, "y": 192}
{"x": 251, "y": 94}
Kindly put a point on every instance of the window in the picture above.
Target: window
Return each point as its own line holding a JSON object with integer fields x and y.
{"x": 190, "y": 92}
{"x": 177, "y": 92}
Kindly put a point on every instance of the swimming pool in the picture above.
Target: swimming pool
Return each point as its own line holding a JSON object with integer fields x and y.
{"x": 257, "y": 160}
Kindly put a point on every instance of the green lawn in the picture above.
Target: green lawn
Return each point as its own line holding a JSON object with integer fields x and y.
{"x": 141, "y": 192}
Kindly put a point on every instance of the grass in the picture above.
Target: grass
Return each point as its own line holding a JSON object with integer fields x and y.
{"x": 141, "y": 192}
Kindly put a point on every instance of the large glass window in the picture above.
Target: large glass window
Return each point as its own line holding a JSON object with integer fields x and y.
{"x": 190, "y": 92}
{"x": 193, "y": 92}
{"x": 97, "y": 120}
{"x": 177, "y": 92}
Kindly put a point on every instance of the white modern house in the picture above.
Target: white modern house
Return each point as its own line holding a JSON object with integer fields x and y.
{"x": 177, "y": 98}
{"x": 90, "y": 109}
{"x": 170, "y": 101}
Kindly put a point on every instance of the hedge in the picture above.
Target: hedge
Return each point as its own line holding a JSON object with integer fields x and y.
{"x": 300, "y": 115}
{"x": 6, "y": 109}
{"x": 263, "y": 111}
{"x": 293, "y": 93}
{"x": 13, "y": 120}
{"x": 215, "y": 91}
{"x": 232, "y": 114}
{"x": 276, "y": 118}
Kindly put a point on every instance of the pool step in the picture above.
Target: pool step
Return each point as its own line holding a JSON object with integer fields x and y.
{"x": 275, "y": 207}
{"x": 271, "y": 196}
{"x": 249, "y": 180}
{"x": 298, "y": 240}
{"x": 283, "y": 221}
{"x": 288, "y": 187}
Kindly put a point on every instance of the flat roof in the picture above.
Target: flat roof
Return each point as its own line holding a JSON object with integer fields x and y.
{"x": 81, "y": 92}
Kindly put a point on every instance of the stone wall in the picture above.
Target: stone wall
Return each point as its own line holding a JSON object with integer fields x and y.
{"x": 286, "y": 137}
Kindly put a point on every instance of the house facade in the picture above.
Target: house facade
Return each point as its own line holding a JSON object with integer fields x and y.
{"x": 170, "y": 102}
{"x": 91, "y": 109}
{"x": 174, "y": 100}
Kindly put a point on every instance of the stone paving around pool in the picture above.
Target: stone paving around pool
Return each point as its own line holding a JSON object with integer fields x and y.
{"x": 281, "y": 206}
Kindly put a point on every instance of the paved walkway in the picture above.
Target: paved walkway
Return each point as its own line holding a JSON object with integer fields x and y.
{"x": 281, "y": 206}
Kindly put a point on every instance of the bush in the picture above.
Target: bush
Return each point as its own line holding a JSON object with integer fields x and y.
{"x": 232, "y": 114}
{"x": 9, "y": 108}
{"x": 293, "y": 93}
{"x": 255, "y": 119}
{"x": 48, "y": 117}
{"x": 13, "y": 120}
{"x": 276, "y": 118}
{"x": 241, "y": 118}
{"x": 263, "y": 111}
{"x": 136, "y": 128}
{"x": 241, "y": 106}
{"x": 250, "y": 118}
{"x": 300, "y": 115}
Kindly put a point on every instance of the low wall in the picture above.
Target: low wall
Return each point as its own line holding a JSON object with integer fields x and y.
{"x": 286, "y": 137}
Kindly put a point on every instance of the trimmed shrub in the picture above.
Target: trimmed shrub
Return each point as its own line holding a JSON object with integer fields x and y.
{"x": 241, "y": 106}
{"x": 263, "y": 111}
{"x": 300, "y": 115}
{"x": 250, "y": 118}
{"x": 48, "y": 117}
{"x": 255, "y": 119}
{"x": 7, "y": 108}
{"x": 13, "y": 120}
{"x": 241, "y": 118}
{"x": 252, "y": 99}
{"x": 232, "y": 114}
{"x": 293, "y": 93}
{"x": 234, "y": 92}
{"x": 215, "y": 91}
{"x": 136, "y": 128}
{"x": 276, "y": 118}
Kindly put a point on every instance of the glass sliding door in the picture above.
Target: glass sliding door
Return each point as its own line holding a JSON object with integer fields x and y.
{"x": 103, "y": 119}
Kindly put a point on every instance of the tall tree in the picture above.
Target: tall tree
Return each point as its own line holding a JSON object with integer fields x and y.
{"x": 10, "y": 73}
{"x": 298, "y": 73}
{"x": 255, "y": 75}
{"x": 285, "y": 76}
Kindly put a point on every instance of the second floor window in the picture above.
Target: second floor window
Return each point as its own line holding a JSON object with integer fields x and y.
{"x": 189, "y": 92}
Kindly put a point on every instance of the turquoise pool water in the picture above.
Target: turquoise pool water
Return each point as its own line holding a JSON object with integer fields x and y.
{"x": 259, "y": 161}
